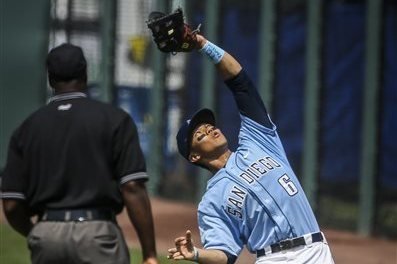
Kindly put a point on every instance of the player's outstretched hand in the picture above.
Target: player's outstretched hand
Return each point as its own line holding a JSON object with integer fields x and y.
{"x": 184, "y": 248}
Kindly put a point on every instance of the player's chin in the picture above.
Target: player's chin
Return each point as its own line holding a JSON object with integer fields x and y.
{"x": 222, "y": 140}
{"x": 221, "y": 144}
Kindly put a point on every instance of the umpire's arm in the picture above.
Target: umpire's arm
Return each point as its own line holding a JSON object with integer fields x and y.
{"x": 139, "y": 211}
{"x": 18, "y": 215}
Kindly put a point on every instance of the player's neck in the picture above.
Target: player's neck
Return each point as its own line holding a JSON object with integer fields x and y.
{"x": 220, "y": 162}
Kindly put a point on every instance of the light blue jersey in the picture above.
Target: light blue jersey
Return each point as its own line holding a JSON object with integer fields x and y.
{"x": 256, "y": 199}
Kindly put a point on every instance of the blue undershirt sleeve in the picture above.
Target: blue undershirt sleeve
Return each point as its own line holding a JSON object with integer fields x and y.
{"x": 231, "y": 259}
{"x": 248, "y": 99}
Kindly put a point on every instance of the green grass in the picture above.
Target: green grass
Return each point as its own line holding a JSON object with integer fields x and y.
{"x": 343, "y": 215}
{"x": 388, "y": 219}
{"x": 13, "y": 249}
{"x": 338, "y": 213}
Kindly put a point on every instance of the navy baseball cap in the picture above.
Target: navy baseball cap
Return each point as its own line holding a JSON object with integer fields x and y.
{"x": 66, "y": 62}
{"x": 184, "y": 136}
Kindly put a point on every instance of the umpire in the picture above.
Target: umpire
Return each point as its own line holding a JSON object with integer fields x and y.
{"x": 74, "y": 164}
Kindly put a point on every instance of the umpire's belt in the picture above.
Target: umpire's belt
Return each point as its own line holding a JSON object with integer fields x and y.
{"x": 79, "y": 215}
{"x": 291, "y": 243}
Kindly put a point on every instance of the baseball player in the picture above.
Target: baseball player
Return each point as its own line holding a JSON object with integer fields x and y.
{"x": 74, "y": 164}
{"x": 253, "y": 198}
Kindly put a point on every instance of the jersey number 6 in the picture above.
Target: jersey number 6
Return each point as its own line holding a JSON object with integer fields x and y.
{"x": 288, "y": 185}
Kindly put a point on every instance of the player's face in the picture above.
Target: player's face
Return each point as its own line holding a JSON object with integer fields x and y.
{"x": 207, "y": 140}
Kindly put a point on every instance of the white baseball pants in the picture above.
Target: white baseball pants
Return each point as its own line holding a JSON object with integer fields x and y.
{"x": 315, "y": 253}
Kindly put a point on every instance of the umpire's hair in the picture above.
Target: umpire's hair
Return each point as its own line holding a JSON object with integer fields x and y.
{"x": 66, "y": 63}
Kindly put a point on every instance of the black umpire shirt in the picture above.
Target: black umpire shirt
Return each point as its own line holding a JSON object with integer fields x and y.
{"x": 73, "y": 153}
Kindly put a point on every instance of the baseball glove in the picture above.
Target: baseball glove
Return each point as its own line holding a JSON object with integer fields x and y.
{"x": 171, "y": 33}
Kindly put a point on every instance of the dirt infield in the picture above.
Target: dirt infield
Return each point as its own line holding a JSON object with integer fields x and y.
{"x": 172, "y": 219}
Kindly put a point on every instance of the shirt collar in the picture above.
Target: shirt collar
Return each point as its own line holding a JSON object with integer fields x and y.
{"x": 67, "y": 96}
{"x": 219, "y": 175}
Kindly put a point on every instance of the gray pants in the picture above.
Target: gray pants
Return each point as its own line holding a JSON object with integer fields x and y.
{"x": 77, "y": 242}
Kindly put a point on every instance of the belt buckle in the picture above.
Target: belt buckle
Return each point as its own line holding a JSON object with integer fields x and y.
{"x": 286, "y": 244}
{"x": 81, "y": 219}
{"x": 87, "y": 216}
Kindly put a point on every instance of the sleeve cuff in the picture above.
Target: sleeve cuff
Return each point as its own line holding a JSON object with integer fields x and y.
{"x": 133, "y": 177}
{"x": 12, "y": 195}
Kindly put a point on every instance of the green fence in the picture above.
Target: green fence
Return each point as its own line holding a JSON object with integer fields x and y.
{"x": 118, "y": 47}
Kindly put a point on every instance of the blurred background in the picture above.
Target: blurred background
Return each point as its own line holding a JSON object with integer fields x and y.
{"x": 327, "y": 71}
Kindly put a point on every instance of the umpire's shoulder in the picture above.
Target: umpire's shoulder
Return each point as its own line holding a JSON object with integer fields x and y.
{"x": 110, "y": 117}
{"x": 109, "y": 109}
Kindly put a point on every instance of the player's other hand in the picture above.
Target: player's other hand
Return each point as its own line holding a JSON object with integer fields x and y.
{"x": 184, "y": 248}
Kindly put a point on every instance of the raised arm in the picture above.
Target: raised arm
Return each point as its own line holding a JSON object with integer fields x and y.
{"x": 172, "y": 34}
{"x": 245, "y": 94}
{"x": 228, "y": 67}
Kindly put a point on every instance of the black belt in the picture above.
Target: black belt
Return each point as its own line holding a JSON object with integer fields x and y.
{"x": 79, "y": 215}
{"x": 289, "y": 243}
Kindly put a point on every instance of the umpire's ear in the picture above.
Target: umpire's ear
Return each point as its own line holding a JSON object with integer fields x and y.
{"x": 194, "y": 157}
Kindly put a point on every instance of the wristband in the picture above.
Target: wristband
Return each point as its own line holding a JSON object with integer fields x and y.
{"x": 214, "y": 52}
{"x": 196, "y": 254}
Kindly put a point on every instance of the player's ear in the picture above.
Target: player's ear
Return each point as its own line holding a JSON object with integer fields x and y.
{"x": 194, "y": 157}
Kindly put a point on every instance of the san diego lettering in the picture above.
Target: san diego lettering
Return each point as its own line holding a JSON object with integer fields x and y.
{"x": 258, "y": 169}
{"x": 236, "y": 201}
